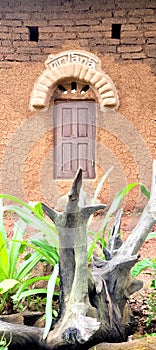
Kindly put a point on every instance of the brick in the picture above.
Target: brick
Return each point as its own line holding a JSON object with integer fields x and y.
{"x": 36, "y": 58}
{"x": 6, "y": 43}
{"x": 5, "y": 36}
{"x": 24, "y": 50}
{"x": 135, "y": 20}
{"x": 151, "y": 53}
{"x": 149, "y": 19}
{"x": 5, "y": 49}
{"x": 128, "y": 27}
{"x": 51, "y": 29}
{"x": 150, "y": 4}
{"x": 25, "y": 43}
{"x": 119, "y": 13}
{"x": 133, "y": 56}
{"x": 77, "y": 29}
{"x": 31, "y": 23}
{"x": 15, "y": 37}
{"x": 65, "y": 35}
{"x": 129, "y": 48}
{"x": 20, "y": 58}
{"x": 4, "y": 29}
{"x": 147, "y": 27}
{"x": 150, "y": 34}
{"x": 150, "y": 61}
{"x": 63, "y": 22}
{"x": 150, "y": 47}
{"x": 111, "y": 49}
{"x": 136, "y": 34}
{"x": 132, "y": 41}
{"x": 20, "y": 30}
{"x": 102, "y": 28}
{"x": 49, "y": 43}
{"x": 113, "y": 41}
{"x": 45, "y": 36}
{"x": 87, "y": 22}
{"x": 151, "y": 41}
{"x": 141, "y": 12}
{"x": 49, "y": 50}
{"x": 11, "y": 23}
{"x": 90, "y": 35}
{"x": 17, "y": 15}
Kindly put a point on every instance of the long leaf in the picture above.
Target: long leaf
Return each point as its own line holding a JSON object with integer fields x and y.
{"x": 19, "y": 231}
{"x": 50, "y": 292}
{"x": 50, "y": 254}
{"x": 100, "y": 184}
{"x": 4, "y": 259}
{"x": 27, "y": 266}
{"x": 98, "y": 189}
{"x": 2, "y": 229}
{"x": 7, "y": 284}
{"x": 27, "y": 283}
{"x": 35, "y": 207}
{"x": 144, "y": 190}
{"x": 116, "y": 202}
{"x": 28, "y": 217}
{"x": 30, "y": 292}
{"x": 49, "y": 251}
{"x": 143, "y": 265}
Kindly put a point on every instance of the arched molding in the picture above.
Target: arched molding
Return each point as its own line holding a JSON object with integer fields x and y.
{"x": 77, "y": 64}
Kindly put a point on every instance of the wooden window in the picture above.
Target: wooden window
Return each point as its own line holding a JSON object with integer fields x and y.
{"x": 74, "y": 139}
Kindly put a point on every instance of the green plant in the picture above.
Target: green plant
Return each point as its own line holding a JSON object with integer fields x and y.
{"x": 15, "y": 277}
{"x": 99, "y": 237}
{"x": 3, "y": 343}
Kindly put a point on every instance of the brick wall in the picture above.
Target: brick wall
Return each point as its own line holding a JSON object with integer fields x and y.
{"x": 87, "y": 24}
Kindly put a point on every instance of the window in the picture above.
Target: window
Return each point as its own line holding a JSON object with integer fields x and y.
{"x": 116, "y": 29}
{"x": 33, "y": 34}
{"x": 74, "y": 123}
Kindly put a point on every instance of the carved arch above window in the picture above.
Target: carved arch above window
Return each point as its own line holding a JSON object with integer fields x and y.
{"x": 73, "y": 66}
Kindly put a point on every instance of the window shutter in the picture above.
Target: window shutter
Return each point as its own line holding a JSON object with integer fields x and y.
{"x": 74, "y": 139}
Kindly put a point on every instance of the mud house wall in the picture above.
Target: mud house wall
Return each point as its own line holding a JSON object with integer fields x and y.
{"x": 125, "y": 138}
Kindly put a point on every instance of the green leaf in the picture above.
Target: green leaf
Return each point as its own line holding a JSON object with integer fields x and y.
{"x": 142, "y": 265}
{"x": 2, "y": 229}
{"x": 7, "y": 284}
{"x": 37, "y": 208}
{"x": 50, "y": 292}
{"x": 28, "y": 265}
{"x": 151, "y": 235}
{"x": 29, "y": 218}
{"x": 19, "y": 231}
{"x": 50, "y": 253}
{"x": 144, "y": 190}
{"x": 4, "y": 259}
{"x": 153, "y": 284}
{"x": 116, "y": 202}
{"x": 26, "y": 284}
{"x": 30, "y": 292}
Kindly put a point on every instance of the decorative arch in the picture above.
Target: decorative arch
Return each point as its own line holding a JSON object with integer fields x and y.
{"x": 81, "y": 65}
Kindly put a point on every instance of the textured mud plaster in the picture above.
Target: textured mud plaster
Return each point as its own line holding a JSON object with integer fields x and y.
{"x": 125, "y": 138}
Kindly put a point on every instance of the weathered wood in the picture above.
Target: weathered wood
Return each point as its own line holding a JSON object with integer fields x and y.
{"x": 94, "y": 305}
